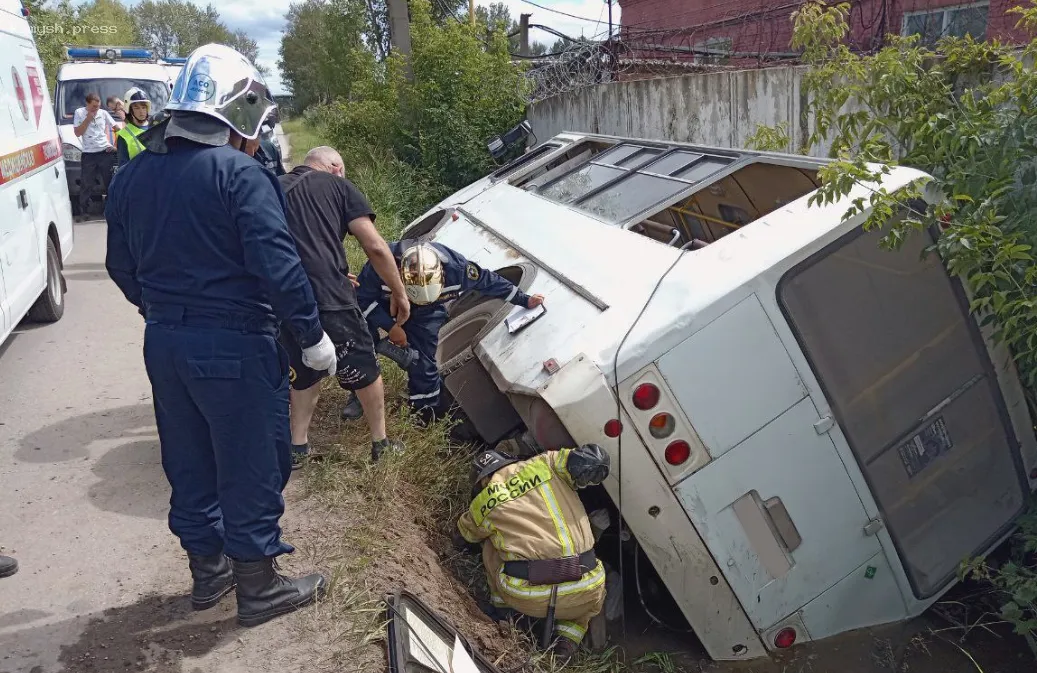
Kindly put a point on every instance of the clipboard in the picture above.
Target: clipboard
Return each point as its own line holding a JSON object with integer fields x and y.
{"x": 521, "y": 318}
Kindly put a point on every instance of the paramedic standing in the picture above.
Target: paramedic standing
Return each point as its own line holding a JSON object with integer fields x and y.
{"x": 139, "y": 107}
{"x": 433, "y": 275}
{"x": 96, "y": 128}
{"x": 323, "y": 207}
{"x": 197, "y": 240}
{"x": 536, "y": 537}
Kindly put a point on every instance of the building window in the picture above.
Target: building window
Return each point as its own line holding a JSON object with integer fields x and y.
{"x": 959, "y": 21}
{"x": 714, "y": 51}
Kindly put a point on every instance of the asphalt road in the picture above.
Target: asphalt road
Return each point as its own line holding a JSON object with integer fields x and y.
{"x": 102, "y": 584}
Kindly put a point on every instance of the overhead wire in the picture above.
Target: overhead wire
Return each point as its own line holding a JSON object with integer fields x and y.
{"x": 558, "y": 11}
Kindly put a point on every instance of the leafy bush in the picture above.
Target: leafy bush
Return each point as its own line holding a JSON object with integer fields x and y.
{"x": 434, "y": 113}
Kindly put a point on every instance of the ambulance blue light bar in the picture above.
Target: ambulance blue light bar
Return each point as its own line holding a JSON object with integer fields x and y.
{"x": 175, "y": 60}
{"x": 110, "y": 53}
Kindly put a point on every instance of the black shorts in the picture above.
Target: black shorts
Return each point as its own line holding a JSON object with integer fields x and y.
{"x": 357, "y": 362}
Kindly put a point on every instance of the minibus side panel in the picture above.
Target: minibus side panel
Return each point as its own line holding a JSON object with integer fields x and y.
{"x": 778, "y": 511}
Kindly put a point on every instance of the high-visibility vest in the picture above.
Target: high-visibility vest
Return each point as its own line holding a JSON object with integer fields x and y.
{"x": 129, "y": 133}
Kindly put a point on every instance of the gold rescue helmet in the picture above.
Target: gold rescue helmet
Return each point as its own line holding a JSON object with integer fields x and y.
{"x": 136, "y": 95}
{"x": 421, "y": 269}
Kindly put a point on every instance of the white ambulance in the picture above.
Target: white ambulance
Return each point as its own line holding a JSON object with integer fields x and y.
{"x": 106, "y": 71}
{"x": 35, "y": 218}
{"x": 808, "y": 433}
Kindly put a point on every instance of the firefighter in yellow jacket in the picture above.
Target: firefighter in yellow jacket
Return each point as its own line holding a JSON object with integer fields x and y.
{"x": 537, "y": 544}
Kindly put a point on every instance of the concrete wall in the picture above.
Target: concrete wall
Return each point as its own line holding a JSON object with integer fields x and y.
{"x": 720, "y": 109}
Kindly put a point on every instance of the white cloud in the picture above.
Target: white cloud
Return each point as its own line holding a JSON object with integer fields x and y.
{"x": 263, "y": 21}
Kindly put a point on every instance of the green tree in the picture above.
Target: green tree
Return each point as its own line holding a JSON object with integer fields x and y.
{"x": 49, "y": 22}
{"x": 964, "y": 112}
{"x": 326, "y": 50}
{"x": 464, "y": 92}
{"x": 497, "y": 17}
{"x": 178, "y": 27}
{"x": 103, "y": 22}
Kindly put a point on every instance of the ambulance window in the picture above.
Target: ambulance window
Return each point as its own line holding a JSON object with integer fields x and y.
{"x": 72, "y": 93}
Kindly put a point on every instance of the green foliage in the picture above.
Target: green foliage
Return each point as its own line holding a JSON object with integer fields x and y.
{"x": 431, "y": 120}
{"x": 170, "y": 27}
{"x": 57, "y": 24}
{"x": 1017, "y": 579}
{"x": 325, "y": 53}
{"x": 964, "y": 112}
{"x": 770, "y": 138}
{"x": 178, "y": 27}
{"x": 48, "y": 24}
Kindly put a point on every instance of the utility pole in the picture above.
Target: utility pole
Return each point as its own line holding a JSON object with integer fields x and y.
{"x": 610, "y": 19}
{"x": 399, "y": 32}
{"x": 471, "y": 11}
{"x": 524, "y": 34}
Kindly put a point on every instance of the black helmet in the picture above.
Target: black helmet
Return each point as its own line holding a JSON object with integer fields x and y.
{"x": 488, "y": 462}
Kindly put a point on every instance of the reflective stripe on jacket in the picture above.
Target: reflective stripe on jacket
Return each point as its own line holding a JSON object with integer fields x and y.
{"x": 129, "y": 134}
{"x": 530, "y": 510}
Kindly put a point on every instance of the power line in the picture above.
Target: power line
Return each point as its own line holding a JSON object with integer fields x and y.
{"x": 558, "y": 11}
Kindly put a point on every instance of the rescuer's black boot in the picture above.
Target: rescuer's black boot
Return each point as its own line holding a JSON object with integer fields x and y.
{"x": 263, "y": 593}
{"x": 213, "y": 579}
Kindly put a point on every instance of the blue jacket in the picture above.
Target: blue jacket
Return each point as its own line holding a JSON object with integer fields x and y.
{"x": 459, "y": 276}
{"x": 204, "y": 228}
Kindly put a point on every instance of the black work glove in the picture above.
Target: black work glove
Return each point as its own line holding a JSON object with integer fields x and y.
{"x": 588, "y": 465}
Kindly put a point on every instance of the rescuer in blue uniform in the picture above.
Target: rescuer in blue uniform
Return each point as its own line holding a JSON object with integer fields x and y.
{"x": 433, "y": 275}
{"x": 197, "y": 240}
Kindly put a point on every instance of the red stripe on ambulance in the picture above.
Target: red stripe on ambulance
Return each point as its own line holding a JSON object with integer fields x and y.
{"x": 17, "y": 164}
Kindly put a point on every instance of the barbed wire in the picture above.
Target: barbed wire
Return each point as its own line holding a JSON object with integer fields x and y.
{"x": 748, "y": 34}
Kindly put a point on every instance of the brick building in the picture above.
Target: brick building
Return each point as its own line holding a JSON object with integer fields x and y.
{"x": 737, "y": 31}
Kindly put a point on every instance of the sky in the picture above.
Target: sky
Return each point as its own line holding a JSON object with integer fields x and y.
{"x": 264, "y": 20}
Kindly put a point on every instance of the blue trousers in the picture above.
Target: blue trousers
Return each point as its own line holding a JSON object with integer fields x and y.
{"x": 423, "y": 380}
{"x": 221, "y": 405}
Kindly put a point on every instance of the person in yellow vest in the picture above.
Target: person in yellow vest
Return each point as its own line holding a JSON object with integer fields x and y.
{"x": 537, "y": 543}
{"x": 138, "y": 112}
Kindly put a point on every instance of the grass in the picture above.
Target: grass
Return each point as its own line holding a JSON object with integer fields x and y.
{"x": 378, "y": 524}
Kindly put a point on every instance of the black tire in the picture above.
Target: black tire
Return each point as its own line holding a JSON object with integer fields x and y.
{"x": 51, "y": 304}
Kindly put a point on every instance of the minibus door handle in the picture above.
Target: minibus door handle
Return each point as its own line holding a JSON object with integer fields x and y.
{"x": 783, "y": 524}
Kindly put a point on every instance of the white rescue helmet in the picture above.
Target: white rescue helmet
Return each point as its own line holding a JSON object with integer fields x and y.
{"x": 219, "y": 82}
{"x": 421, "y": 270}
{"x": 136, "y": 95}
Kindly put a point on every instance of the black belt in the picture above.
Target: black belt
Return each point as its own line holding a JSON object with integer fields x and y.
{"x": 173, "y": 314}
{"x": 552, "y": 571}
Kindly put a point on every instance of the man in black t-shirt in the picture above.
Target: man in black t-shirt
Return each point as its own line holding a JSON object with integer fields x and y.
{"x": 322, "y": 208}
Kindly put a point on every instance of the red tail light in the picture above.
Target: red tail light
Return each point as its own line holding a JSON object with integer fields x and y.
{"x": 678, "y": 452}
{"x": 785, "y": 638}
{"x": 613, "y": 428}
{"x": 646, "y": 396}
